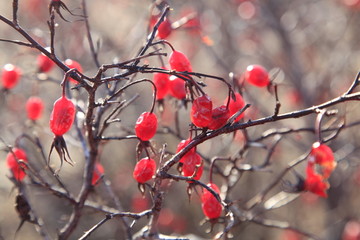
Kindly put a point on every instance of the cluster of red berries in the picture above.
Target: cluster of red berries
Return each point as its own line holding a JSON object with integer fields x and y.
{"x": 320, "y": 165}
{"x": 204, "y": 115}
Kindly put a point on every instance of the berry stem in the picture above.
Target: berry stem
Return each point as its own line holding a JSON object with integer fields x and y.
{"x": 65, "y": 79}
{"x": 318, "y": 124}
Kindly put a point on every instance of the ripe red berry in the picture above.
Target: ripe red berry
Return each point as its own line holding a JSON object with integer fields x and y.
{"x": 34, "y": 108}
{"x": 211, "y": 207}
{"x": 257, "y": 76}
{"x": 10, "y": 76}
{"x": 219, "y": 117}
{"x": 183, "y": 144}
{"x": 164, "y": 29}
{"x": 146, "y": 126}
{"x": 161, "y": 81}
{"x": 236, "y": 105}
{"x": 177, "y": 87}
{"x": 191, "y": 163}
{"x": 62, "y": 116}
{"x": 97, "y": 174}
{"x": 73, "y": 64}
{"x": 201, "y": 111}
{"x": 179, "y": 62}
{"x": 144, "y": 170}
{"x": 14, "y": 165}
{"x": 44, "y": 63}
{"x": 322, "y": 155}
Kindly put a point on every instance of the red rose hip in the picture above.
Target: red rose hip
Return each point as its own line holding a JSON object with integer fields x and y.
{"x": 257, "y": 76}
{"x": 10, "y": 76}
{"x": 144, "y": 170}
{"x": 34, "y": 108}
{"x": 16, "y": 167}
{"x": 201, "y": 111}
{"x": 146, "y": 126}
{"x": 62, "y": 116}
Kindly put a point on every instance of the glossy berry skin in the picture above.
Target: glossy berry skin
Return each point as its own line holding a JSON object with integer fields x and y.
{"x": 12, "y": 159}
{"x": 191, "y": 163}
{"x": 182, "y": 145}
{"x": 144, "y": 170}
{"x": 161, "y": 81}
{"x": 146, "y": 126}
{"x": 235, "y": 105}
{"x": 220, "y": 115}
{"x": 211, "y": 207}
{"x": 179, "y": 62}
{"x": 164, "y": 29}
{"x": 97, "y": 174}
{"x": 10, "y": 76}
{"x": 177, "y": 87}
{"x": 44, "y": 63}
{"x": 73, "y": 64}
{"x": 322, "y": 155}
{"x": 257, "y": 76}
{"x": 34, "y": 108}
{"x": 62, "y": 116}
{"x": 201, "y": 111}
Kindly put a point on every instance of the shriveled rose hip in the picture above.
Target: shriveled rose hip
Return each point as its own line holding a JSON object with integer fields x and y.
{"x": 201, "y": 111}
{"x": 220, "y": 115}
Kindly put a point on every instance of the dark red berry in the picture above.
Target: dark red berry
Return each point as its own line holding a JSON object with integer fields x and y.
{"x": 179, "y": 62}
{"x": 161, "y": 81}
{"x": 257, "y": 76}
{"x": 10, "y": 76}
{"x": 62, "y": 116}
{"x": 236, "y": 105}
{"x": 164, "y": 29}
{"x": 73, "y": 64}
{"x": 13, "y": 162}
{"x": 146, "y": 126}
{"x": 144, "y": 170}
{"x": 45, "y": 64}
{"x": 177, "y": 87}
{"x": 97, "y": 174}
{"x": 220, "y": 115}
{"x": 201, "y": 111}
{"x": 211, "y": 207}
{"x": 34, "y": 108}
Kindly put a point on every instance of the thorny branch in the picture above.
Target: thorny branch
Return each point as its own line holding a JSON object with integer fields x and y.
{"x": 94, "y": 135}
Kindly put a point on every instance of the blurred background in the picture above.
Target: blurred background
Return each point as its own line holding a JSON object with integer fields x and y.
{"x": 311, "y": 50}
